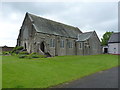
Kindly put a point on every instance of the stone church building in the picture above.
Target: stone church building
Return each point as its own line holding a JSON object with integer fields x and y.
{"x": 52, "y": 38}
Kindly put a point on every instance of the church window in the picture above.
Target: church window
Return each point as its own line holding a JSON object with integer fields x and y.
{"x": 80, "y": 45}
{"x": 52, "y": 42}
{"x": 62, "y": 43}
{"x": 70, "y": 45}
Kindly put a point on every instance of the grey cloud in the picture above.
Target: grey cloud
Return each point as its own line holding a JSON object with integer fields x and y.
{"x": 87, "y": 16}
{"x": 37, "y": 8}
{"x": 90, "y": 12}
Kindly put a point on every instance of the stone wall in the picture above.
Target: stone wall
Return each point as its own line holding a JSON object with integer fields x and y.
{"x": 91, "y": 46}
{"x": 95, "y": 45}
{"x": 57, "y": 50}
{"x": 80, "y": 48}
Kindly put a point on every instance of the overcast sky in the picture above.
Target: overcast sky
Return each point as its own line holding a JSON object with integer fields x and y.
{"x": 87, "y": 16}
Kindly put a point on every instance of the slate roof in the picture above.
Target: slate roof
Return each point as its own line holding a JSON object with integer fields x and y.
{"x": 52, "y": 27}
{"x": 85, "y": 36}
{"x": 115, "y": 38}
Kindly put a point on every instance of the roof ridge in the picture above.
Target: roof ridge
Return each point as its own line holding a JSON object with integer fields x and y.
{"x": 48, "y": 26}
{"x": 53, "y": 21}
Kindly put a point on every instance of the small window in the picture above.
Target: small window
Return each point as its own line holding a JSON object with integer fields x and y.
{"x": 62, "y": 43}
{"x": 52, "y": 43}
{"x": 80, "y": 45}
{"x": 70, "y": 45}
{"x": 85, "y": 43}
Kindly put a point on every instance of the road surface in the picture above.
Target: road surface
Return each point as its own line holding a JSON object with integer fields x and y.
{"x": 102, "y": 79}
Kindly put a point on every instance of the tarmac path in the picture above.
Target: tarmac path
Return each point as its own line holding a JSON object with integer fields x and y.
{"x": 102, "y": 79}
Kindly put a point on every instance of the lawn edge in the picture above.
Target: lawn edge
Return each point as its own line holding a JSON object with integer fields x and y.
{"x": 57, "y": 86}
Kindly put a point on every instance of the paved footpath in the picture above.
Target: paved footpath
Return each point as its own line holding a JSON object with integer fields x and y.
{"x": 102, "y": 79}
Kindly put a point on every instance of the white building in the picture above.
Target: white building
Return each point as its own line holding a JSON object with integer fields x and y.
{"x": 114, "y": 44}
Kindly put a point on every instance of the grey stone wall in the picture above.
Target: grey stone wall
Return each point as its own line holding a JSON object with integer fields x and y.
{"x": 26, "y": 35}
{"x": 79, "y": 49}
{"x": 57, "y": 50}
{"x": 92, "y": 46}
{"x": 95, "y": 45}
{"x": 33, "y": 44}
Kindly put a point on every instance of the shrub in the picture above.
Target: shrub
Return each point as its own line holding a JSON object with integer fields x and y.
{"x": 34, "y": 55}
{"x": 24, "y": 53}
{"x": 42, "y": 56}
{"x": 17, "y": 49}
{"x": 5, "y": 53}
{"x": 14, "y": 54}
{"x": 22, "y": 56}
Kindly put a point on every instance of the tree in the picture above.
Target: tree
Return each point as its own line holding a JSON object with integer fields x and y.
{"x": 105, "y": 38}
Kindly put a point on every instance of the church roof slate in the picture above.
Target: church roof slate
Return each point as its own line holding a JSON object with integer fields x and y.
{"x": 85, "y": 36}
{"x": 52, "y": 27}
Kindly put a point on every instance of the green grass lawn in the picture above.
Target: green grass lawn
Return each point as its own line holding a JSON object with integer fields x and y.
{"x": 47, "y": 72}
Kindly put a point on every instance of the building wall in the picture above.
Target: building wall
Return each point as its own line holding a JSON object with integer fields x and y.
{"x": 95, "y": 45}
{"x": 60, "y": 50}
{"x": 90, "y": 46}
{"x": 57, "y": 50}
{"x": 26, "y": 35}
{"x": 80, "y": 48}
{"x": 114, "y": 48}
